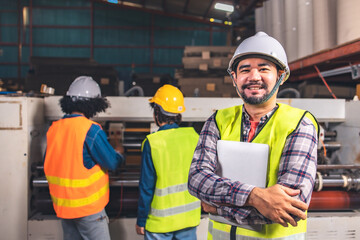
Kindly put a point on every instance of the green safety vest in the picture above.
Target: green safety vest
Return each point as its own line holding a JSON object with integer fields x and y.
{"x": 275, "y": 131}
{"x": 172, "y": 207}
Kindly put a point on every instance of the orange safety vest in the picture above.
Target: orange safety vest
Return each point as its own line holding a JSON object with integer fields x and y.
{"x": 75, "y": 190}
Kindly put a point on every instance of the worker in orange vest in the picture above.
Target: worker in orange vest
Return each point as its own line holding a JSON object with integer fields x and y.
{"x": 77, "y": 158}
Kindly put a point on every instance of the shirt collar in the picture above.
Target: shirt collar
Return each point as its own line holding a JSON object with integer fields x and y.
{"x": 72, "y": 115}
{"x": 263, "y": 118}
{"x": 168, "y": 126}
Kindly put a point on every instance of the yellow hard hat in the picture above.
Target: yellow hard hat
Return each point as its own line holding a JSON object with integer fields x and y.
{"x": 169, "y": 98}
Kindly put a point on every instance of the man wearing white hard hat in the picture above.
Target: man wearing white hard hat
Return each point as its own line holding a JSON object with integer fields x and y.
{"x": 278, "y": 211}
{"x": 77, "y": 158}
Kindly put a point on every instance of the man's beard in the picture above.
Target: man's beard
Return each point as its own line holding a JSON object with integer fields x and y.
{"x": 253, "y": 99}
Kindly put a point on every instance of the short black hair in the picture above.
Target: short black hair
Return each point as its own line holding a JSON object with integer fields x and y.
{"x": 162, "y": 118}
{"x": 87, "y": 106}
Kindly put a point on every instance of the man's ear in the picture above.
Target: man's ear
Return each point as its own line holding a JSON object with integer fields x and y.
{"x": 233, "y": 77}
{"x": 280, "y": 72}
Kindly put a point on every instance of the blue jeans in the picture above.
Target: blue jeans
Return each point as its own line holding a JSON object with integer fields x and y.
{"x": 184, "y": 234}
{"x": 93, "y": 227}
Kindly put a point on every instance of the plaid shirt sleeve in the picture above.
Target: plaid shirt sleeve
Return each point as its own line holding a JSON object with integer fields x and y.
{"x": 297, "y": 170}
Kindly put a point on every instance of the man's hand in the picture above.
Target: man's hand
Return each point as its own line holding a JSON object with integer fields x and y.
{"x": 208, "y": 208}
{"x": 140, "y": 230}
{"x": 277, "y": 203}
{"x": 120, "y": 149}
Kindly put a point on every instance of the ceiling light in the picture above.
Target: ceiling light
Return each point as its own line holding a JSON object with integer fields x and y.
{"x": 224, "y": 7}
{"x": 215, "y": 20}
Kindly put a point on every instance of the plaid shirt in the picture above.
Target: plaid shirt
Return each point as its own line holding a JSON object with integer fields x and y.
{"x": 297, "y": 170}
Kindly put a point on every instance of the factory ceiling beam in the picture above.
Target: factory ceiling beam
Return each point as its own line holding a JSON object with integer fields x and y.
{"x": 208, "y": 9}
{"x": 337, "y": 53}
{"x": 248, "y": 8}
{"x": 186, "y": 6}
{"x": 340, "y": 56}
{"x": 148, "y": 10}
{"x": 164, "y": 7}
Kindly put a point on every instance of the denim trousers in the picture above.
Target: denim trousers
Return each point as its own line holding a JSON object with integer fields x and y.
{"x": 92, "y": 227}
{"x": 183, "y": 234}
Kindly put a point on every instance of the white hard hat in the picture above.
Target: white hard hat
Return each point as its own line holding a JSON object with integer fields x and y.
{"x": 84, "y": 87}
{"x": 263, "y": 46}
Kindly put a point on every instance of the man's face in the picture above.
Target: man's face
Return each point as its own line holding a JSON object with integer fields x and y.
{"x": 255, "y": 78}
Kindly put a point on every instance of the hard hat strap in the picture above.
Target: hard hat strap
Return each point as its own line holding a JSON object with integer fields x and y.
{"x": 236, "y": 86}
{"x": 277, "y": 85}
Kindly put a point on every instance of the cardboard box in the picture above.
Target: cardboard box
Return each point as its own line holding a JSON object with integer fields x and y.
{"x": 205, "y": 55}
{"x": 104, "y": 81}
{"x": 156, "y": 79}
{"x": 210, "y": 87}
{"x": 227, "y": 80}
{"x": 203, "y": 67}
{"x": 217, "y": 62}
{"x": 206, "y": 87}
{"x": 226, "y": 95}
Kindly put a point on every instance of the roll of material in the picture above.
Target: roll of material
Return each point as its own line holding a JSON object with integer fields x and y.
{"x": 335, "y": 200}
{"x": 348, "y": 19}
{"x": 324, "y": 22}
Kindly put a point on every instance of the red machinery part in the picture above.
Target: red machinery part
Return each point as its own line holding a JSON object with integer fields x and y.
{"x": 335, "y": 200}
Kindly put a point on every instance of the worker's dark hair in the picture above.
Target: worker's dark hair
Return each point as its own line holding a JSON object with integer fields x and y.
{"x": 87, "y": 106}
{"x": 162, "y": 118}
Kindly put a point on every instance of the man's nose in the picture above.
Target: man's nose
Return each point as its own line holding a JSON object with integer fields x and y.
{"x": 254, "y": 75}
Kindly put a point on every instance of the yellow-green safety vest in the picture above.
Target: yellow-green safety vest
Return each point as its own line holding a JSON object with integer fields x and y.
{"x": 172, "y": 207}
{"x": 275, "y": 131}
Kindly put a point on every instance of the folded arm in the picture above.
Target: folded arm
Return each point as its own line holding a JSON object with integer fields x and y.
{"x": 247, "y": 204}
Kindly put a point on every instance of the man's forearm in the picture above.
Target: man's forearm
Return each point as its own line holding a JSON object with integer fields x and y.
{"x": 278, "y": 204}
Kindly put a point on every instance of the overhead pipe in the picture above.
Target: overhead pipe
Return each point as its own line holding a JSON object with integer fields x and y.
{"x": 124, "y": 181}
{"x": 349, "y": 181}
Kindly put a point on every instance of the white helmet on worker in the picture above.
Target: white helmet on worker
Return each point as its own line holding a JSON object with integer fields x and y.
{"x": 263, "y": 46}
{"x": 84, "y": 87}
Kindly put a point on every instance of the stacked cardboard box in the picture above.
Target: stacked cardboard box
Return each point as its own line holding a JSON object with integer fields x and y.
{"x": 204, "y": 73}
{"x": 207, "y": 57}
{"x": 207, "y": 87}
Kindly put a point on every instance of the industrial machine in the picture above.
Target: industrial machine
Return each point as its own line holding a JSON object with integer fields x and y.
{"x": 25, "y": 205}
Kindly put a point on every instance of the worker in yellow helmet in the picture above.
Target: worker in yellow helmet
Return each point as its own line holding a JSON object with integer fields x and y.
{"x": 166, "y": 210}
{"x": 258, "y": 67}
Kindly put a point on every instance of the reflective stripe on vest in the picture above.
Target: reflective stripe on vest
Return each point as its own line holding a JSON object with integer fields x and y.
{"x": 74, "y": 183}
{"x": 75, "y": 190}
{"x": 275, "y": 131}
{"x": 82, "y": 201}
{"x": 171, "y": 189}
{"x": 175, "y": 210}
{"x": 217, "y": 234}
{"x": 172, "y": 207}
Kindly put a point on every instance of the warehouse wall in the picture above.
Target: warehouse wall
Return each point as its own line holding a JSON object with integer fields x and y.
{"x": 126, "y": 38}
{"x": 308, "y": 26}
